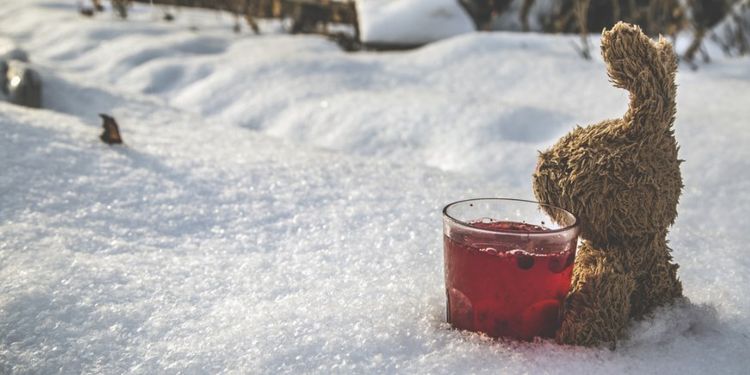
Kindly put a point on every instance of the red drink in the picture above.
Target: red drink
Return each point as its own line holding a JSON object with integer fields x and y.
{"x": 507, "y": 278}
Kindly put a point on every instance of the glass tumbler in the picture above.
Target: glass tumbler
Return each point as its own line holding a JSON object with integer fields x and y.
{"x": 508, "y": 265}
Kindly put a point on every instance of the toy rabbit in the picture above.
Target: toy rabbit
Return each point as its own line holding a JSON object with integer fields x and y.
{"x": 621, "y": 178}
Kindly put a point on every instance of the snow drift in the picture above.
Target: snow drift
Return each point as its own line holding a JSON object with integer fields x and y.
{"x": 411, "y": 22}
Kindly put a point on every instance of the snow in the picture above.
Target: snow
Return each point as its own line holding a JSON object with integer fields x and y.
{"x": 411, "y": 21}
{"x": 9, "y": 51}
{"x": 276, "y": 205}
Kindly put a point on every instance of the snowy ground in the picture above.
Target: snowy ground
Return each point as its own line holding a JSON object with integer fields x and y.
{"x": 404, "y": 22}
{"x": 276, "y": 207}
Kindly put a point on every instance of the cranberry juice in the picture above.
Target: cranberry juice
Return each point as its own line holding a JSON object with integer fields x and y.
{"x": 510, "y": 288}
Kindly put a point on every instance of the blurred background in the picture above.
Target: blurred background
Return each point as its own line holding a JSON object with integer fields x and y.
{"x": 386, "y": 24}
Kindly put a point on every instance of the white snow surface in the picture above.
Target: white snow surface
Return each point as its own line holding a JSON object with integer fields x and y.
{"x": 411, "y": 21}
{"x": 276, "y": 207}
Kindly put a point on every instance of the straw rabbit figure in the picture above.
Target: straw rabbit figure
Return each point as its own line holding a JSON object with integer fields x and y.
{"x": 621, "y": 178}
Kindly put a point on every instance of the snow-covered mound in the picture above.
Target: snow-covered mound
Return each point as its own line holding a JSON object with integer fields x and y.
{"x": 9, "y": 51}
{"x": 205, "y": 245}
{"x": 411, "y": 22}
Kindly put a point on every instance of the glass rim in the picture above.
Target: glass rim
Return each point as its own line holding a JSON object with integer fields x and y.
{"x": 466, "y": 225}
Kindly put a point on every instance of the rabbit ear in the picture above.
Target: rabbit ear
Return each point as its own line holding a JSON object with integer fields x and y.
{"x": 646, "y": 69}
{"x": 667, "y": 55}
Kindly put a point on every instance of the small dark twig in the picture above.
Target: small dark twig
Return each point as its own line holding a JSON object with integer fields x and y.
{"x": 581, "y": 12}
{"x": 111, "y": 134}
